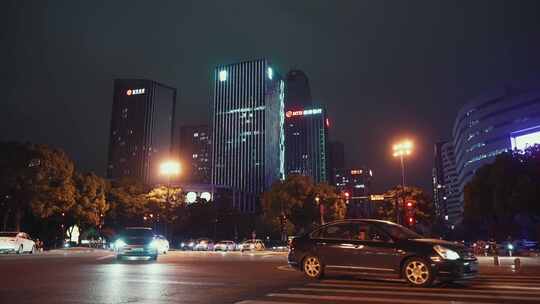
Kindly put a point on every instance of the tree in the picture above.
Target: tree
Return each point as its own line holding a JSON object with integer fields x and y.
{"x": 291, "y": 204}
{"x": 91, "y": 198}
{"x": 127, "y": 199}
{"x": 421, "y": 206}
{"x": 503, "y": 196}
{"x": 35, "y": 178}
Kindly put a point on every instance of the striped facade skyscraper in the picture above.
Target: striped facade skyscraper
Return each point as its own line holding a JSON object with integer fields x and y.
{"x": 248, "y": 136}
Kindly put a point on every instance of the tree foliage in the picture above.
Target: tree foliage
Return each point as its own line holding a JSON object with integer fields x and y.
{"x": 505, "y": 193}
{"x": 421, "y": 209}
{"x": 36, "y": 179}
{"x": 293, "y": 203}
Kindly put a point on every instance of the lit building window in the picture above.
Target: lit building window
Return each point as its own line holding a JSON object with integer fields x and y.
{"x": 222, "y": 75}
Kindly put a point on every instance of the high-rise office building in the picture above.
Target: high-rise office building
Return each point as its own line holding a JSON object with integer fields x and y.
{"x": 297, "y": 91}
{"x": 195, "y": 154}
{"x": 306, "y": 151}
{"x": 248, "y": 139}
{"x": 499, "y": 121}
{"x": 336, "y": 159}
{"x": 355, "y": 184}
{"x": 141, "y": 133}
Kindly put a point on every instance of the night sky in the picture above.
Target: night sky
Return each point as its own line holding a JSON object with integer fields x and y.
{"x": 384, "y": 69}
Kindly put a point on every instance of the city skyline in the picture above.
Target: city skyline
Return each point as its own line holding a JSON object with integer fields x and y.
{"x": 414, "y": 89}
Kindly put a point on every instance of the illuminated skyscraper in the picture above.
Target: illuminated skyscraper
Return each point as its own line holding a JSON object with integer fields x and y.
{"x": 195, "y": 154}
{"x": 248, "y": 139}
{"x": 142, "y": 123}
{"x": 306, "y": 135}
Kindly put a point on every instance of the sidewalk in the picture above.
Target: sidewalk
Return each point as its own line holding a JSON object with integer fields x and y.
{"x": 506, "y": 265}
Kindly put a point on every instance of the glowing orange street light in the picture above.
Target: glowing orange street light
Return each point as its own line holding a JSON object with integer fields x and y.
{"x": 169, "y": 168}
{"x": 401, "y": 150}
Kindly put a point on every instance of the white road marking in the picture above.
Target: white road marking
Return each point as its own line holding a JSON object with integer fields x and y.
{"x": 431, "y": 294}
{"x": 106, "y": 257}
{"x": 188, "y": 283}
{"x": 266, "y": 302}
{"x": 364, "y": 299}
{"x": 449, "y": 291}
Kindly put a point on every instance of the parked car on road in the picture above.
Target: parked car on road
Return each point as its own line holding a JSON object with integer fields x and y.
{"x": 204, "y": 244}
{"x": 188, "y": 244}
{"x": 225, "y": 246}
{"x": 252, "y": 245}
{"x": 383, "y": 248}
{"x": 16, "y": 242}
{"x": 137, "y": 242}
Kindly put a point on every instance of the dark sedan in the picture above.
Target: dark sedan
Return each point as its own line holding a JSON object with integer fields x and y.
{"x": 380, "y": 247}
{"x": 137, "y": 242}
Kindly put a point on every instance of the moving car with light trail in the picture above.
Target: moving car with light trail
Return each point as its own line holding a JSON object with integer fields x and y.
{"x": 135, "y": 242}
{"x": 16, "y": 242}
{"x": 380, "y": 248}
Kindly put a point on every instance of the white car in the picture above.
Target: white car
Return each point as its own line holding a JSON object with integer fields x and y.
{"x": 162, "y": 244}
{"x": 252, "y": 245}
{"x": 225, "y": 246}
{"x": 18, "y": 242}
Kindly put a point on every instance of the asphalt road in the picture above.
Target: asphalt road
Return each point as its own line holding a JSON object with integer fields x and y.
{"x": 200, "y": 277}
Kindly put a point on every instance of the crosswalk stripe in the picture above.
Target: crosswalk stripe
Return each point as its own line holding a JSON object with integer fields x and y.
{"x": 266, "y": 302}
{"x": 402, "y": 282}
{"x": 427, "y": 293}
{"x": 447, "y": 290}
{"x": 364, "y": 299}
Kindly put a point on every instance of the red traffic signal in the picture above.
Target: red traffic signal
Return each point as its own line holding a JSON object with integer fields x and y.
{"x": 346, "y": 194}
{"x": 411, "y": 220}
{"x": 409, "y": 204}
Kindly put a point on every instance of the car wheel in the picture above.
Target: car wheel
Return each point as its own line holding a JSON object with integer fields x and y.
{"x": 21, "y": 250}
{"x": 312, "y": 267}
{"x": 417, "y": 272}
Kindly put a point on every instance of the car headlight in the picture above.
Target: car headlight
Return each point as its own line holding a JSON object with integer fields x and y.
{"x": 120, "y": 243}
{"x": 446, "y": 253}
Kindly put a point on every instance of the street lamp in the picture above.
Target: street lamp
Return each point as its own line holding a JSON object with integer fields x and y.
{"x": 401, "y": 150}
{"x": 169, "y": 168}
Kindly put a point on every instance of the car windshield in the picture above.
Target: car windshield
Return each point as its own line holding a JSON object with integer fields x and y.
{"x": 400, "y": 232}
{"x": 8, "y": 234}
{"x": 138, "y": 233}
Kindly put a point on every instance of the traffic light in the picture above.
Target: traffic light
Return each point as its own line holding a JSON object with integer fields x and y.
{"x": 409, "y": 205}
{"x": 346, "y": 195}
{"x": 410, "y": 220}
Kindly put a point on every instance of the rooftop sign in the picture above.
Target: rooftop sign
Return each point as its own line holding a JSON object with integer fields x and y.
{"x": 289, "y": 114}
{"x": 135, "y": 92}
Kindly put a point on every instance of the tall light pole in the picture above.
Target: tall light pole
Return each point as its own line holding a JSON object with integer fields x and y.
{"x": 169, "y": 168}
{"x": 401, "y": 150}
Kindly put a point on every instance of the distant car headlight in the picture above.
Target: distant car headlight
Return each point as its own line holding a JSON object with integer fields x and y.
{"x": 446, "y": 253}
{"x": 182, "y": 244}
{"x": 510, "y": 247}
{"x": 191, "y": 244}
{"x": 120, "y": 243}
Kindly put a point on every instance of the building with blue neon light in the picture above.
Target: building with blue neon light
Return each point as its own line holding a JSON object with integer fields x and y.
{"x": 499, "y": 121}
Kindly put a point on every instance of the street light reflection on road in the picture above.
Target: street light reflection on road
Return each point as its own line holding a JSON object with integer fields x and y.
{"x": 132, "y": 281}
